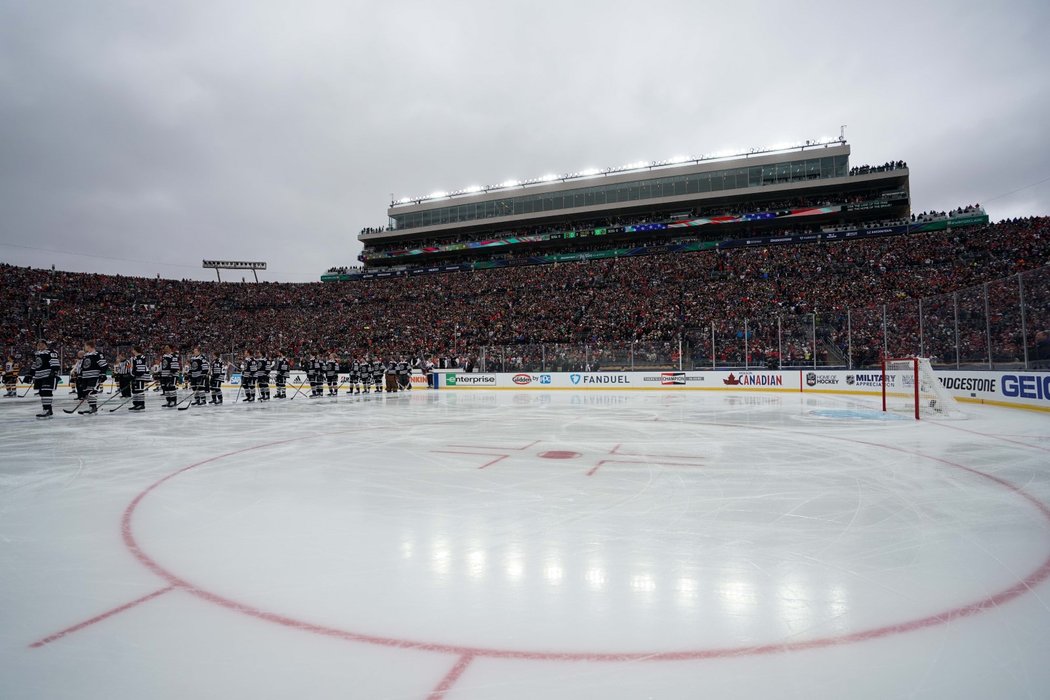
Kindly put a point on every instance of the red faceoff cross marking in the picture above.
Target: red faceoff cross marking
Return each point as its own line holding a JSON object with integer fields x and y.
{"x": 616, "y": 455}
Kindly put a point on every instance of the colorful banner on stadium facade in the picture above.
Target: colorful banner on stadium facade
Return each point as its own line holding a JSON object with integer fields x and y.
{"x": 637, "y": 228}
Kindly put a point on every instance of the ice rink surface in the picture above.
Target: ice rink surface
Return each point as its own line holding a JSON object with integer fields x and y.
{"x": 485, "y": 544}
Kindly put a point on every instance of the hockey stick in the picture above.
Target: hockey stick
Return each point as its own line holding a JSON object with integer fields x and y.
{"x": 193, "y": 395}
{"x": 93, "y": 392}
{"x": 122, "y": 405}
{"x": 297, "y": 391}
{"x": 74, "y": 409}
{"x": 115, "y": 395}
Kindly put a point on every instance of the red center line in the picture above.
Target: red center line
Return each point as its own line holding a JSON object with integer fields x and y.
{"x": 450, "y": 679}
{"x": 99, "y": 618}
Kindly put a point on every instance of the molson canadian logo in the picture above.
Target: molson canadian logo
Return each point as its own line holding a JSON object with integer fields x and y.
{"x": 754, "y": 380}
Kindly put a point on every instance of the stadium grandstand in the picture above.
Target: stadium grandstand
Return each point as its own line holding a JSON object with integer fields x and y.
{"x": 798, "y": 194}
{"x": 970, "y": 294}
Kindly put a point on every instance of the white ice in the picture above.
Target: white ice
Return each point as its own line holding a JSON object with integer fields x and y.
{"x": 486, "y": 544}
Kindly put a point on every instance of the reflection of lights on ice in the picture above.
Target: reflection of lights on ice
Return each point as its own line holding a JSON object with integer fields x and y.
{"x": 643, "y": 583}
{"x": 476, "y": 563}
{"x": 553, "y": 573}
{"x": 686, "y": 592}
{"x": 737, "y": 596}
{"x": 838, "y": 601}
{"x": 595, "y": 577}
{"x": 796, "y": 606}
{"x": 514, "y": 566}
{"x": 406, "y": 549}
{"x": 441, "y": 557}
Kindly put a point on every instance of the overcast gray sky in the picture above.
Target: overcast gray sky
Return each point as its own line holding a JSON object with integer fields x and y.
{"x": 151, "y": 135}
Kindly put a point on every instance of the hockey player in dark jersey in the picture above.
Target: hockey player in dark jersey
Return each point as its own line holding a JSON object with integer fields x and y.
{"x": 311, "y": 376}
{"x": 317, "y": 383}
{"x": 140, "y": 374}
{"x": 248, "y": 370}
{"x": 364, "y": 374}
{"x": 353, "y": 377}
{"x": 331, "y": 373}
{"x": 281, "y": 368}
{"x": 378, "y": 372}
{"x": 262, "y": 376}
{"x": 218, "y": 376}
{"x": 91, "y": 375}
{"x": 43, "y": 374}
{"x": 404, "y": 375}
{"x": 199, "y": 368}
{"x": 10, "y": 377}
{"x": 170, "y": 368}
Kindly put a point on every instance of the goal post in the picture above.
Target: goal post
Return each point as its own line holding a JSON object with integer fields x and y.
{"x": 910, "y": 386}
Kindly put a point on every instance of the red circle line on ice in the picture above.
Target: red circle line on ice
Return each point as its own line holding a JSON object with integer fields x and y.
{"x": 1022, "y": 586}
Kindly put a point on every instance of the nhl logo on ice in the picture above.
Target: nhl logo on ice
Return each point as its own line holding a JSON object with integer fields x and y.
{"x": 575, "y": 378}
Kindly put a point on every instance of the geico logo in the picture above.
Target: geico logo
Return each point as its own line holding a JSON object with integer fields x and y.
{"x": 1026, "y": 386}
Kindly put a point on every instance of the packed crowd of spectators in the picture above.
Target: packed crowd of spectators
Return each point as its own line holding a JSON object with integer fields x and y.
{"x": 889, "y": 165}
{"x": 651, "y": 301}
{"x": 968, "y": 210}
{"x": 344, "y": 270}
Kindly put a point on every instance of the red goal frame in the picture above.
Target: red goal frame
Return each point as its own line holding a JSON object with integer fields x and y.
{"x": 915, "y": 381}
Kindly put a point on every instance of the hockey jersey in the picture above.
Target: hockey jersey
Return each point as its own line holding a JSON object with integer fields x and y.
{"x": 170, "y": 365}
{"x": 92, "y": 367}
{"x": 45, "y": 366}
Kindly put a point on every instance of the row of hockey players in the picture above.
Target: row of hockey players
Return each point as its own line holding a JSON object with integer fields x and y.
{"x": 43, "y": 373}
{"x": 321, "y": 371}
{"x": 205, "y": 376}
{"x": 362, "y": 375}
{"x": 132, "y": 374}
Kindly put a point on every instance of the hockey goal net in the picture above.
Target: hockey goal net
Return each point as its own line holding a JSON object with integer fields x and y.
{"x": 910, "y": 386}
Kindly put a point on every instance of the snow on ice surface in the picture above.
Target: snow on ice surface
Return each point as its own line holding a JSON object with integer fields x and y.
{"x": 524, "y": 544}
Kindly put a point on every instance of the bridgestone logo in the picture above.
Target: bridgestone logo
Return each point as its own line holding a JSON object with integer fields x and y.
{"x": 968, "y": 384}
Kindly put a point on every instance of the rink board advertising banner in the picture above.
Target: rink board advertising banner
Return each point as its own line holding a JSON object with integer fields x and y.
{"x": 1011, "y": 388}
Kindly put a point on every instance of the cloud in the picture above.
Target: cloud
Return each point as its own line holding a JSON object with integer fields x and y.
{"x": 173, "y": 133}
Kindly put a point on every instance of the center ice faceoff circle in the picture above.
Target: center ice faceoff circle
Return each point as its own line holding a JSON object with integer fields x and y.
{"x": 682, "y": 539}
